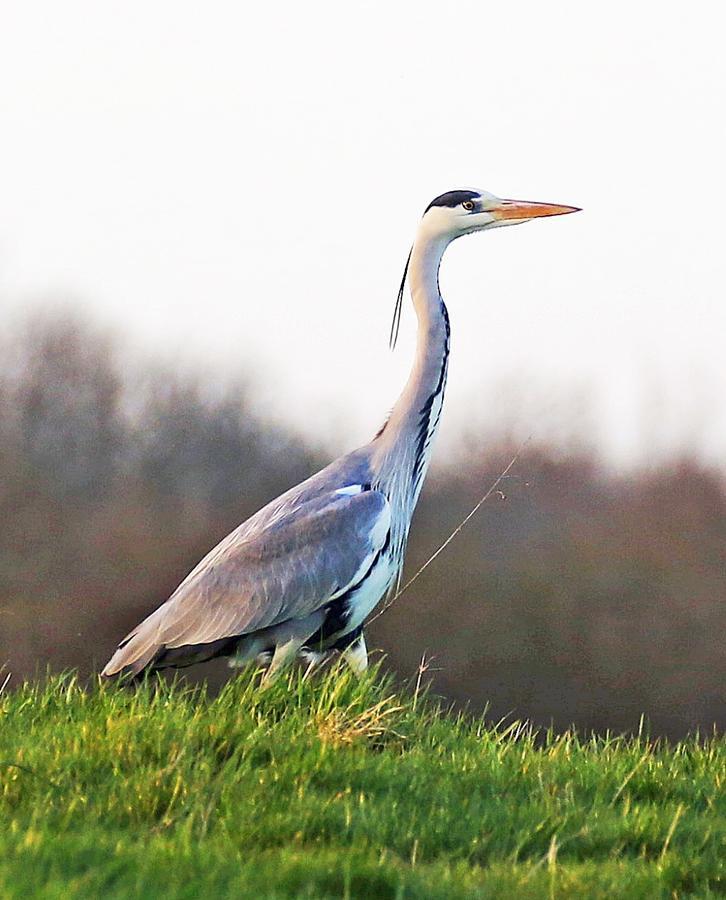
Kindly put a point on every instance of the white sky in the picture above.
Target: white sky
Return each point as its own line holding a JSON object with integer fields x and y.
{"x": 236, "y": 186}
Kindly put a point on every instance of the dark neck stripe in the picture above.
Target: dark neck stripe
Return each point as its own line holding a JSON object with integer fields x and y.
{"x": 427, "y": 425}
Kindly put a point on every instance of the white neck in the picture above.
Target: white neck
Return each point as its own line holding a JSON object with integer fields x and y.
{"x": 402, "y": 449}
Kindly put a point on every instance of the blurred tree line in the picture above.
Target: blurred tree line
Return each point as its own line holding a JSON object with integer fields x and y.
{"x": 577, "y": 594}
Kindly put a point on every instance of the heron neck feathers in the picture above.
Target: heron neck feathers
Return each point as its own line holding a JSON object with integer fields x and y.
{"x": 402, "y": 449}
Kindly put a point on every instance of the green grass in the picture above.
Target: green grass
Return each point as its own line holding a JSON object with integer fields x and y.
{"x": 333, "y": 788}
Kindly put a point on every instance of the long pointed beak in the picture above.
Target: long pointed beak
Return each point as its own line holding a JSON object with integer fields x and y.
{"x": 525, "y": 209}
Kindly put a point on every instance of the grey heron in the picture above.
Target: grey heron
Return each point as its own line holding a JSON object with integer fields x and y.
{"x": 302, "y": 574}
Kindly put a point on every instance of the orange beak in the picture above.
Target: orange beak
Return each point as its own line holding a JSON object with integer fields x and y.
{"x": 525, "y": 209}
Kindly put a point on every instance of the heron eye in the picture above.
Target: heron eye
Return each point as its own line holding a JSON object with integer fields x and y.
{"x": 468, "y": 205}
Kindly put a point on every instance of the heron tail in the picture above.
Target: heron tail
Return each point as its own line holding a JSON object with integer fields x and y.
{"x": 136, "y": 651}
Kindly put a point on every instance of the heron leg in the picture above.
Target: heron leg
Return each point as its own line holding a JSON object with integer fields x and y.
{"x": 284, "y": 654}
{"x": 249, "y": 649}
{"x": 356, "y": 655}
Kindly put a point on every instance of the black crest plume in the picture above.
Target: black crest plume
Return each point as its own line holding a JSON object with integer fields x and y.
{"x": 396, "y": 322}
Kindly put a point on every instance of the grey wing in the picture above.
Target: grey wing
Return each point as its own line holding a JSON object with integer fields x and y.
{"x": 299, "y": 561}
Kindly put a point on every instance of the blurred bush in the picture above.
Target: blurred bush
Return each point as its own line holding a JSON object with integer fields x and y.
{"x": 577, "y": 594}
{"x": 112, "y": 485}
{"x": 584, "y": 596}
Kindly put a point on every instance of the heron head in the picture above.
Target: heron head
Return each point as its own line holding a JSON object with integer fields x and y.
{"x": 456, "y": 213}
{"x": 462, "y": 212}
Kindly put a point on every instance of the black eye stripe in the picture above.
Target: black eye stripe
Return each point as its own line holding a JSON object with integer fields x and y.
{"x": 452, "y": 199}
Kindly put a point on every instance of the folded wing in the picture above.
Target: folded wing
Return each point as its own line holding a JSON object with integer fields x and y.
{"x": 288, "y": 568}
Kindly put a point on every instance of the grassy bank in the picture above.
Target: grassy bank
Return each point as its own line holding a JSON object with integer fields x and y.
{"x": 333, "y": 788}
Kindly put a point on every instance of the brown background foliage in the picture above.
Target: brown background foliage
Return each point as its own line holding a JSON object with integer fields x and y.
{"x": 582, "y": 595}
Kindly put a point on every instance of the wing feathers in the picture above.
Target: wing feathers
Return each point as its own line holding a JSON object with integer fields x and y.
{"x": 294, "y": 564}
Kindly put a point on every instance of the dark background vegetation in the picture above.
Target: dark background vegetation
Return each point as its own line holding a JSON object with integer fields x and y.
{"x": 577, "y": 595}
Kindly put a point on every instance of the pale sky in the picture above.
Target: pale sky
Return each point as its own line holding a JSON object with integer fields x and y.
{"x": 235, "y": 187}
